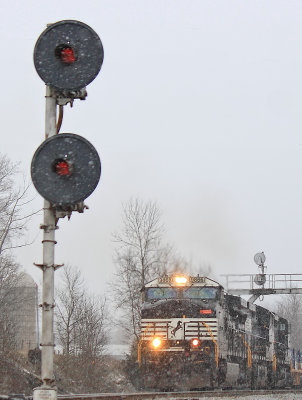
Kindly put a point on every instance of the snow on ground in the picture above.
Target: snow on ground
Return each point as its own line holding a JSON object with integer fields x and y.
{"x": 287, "y": 396}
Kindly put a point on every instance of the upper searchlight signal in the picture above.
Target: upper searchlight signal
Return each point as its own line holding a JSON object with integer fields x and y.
{"x": 68, "y": 55}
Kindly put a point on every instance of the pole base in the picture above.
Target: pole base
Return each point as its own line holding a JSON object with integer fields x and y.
{"x": 44, "y": 394}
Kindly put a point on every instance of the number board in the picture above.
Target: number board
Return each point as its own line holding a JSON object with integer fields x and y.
{"x": 171, "y": 279}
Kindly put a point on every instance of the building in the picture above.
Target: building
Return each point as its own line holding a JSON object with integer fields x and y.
{"x": 25, "y": 313}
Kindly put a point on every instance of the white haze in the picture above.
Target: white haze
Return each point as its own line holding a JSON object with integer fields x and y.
{"x": 197, "y": 107}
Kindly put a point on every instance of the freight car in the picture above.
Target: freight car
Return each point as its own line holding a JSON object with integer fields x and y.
{"x": 195, "y": 335}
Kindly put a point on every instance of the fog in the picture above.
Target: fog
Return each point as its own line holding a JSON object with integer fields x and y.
{"x": 197, "y": 107}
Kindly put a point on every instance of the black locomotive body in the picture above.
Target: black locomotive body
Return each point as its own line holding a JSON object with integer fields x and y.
{"x": 194, "y": 335}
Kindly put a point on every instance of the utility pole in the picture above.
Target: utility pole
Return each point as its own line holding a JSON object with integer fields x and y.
{"x": 65, "y": 168}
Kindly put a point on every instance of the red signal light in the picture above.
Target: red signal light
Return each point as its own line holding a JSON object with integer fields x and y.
{"x": 62, "y": 168}
{"x": 67, "y": 55}
{"x": 205, "y": 312}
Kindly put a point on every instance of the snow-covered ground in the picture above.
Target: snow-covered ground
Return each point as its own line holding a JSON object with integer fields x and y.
{"x": 256, "y": 397}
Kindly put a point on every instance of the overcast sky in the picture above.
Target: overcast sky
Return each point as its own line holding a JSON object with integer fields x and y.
{"x": 197, "y": 107}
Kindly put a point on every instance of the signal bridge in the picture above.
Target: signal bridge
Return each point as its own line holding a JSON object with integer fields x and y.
{"x": 262, "y": 284}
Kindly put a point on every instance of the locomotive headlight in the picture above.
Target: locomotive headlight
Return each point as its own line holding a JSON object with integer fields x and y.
{"x": 181, "y": 280}
{"x": 156, "y": 342}
{"x": 195, "y": 342}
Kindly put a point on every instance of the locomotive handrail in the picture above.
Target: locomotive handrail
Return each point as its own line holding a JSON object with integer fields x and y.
{"x": 249, "y": 352}
{"x": 274, "y": 362}
{"x": 214, "y": 341}
{"x": 139, "y": 347}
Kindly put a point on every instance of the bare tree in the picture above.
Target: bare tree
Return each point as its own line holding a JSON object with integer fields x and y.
{"x": 141, "y": 238}
{"x": 140, "y": 257}
{"x": 69, "y": 296}
{"x": 91, "y": 331}
{"x": 13, "y": 222}
{"x": 290, "y": 308}
{"x": 81, "y": 328}
{"x": 13, "y": 201}
{"x": 8, "y": 281}
{"x": 126, "y": 291}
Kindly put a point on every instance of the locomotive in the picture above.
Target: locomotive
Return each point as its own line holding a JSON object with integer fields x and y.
{"x": 194, "y": 335}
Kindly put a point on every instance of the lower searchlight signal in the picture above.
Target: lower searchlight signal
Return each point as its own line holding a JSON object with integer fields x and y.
{"x": 65, "y": 169}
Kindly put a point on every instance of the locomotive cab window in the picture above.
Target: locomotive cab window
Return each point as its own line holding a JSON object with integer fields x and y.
{"x": 282, "y": 327}
{"x": 200, "y": 293}
{"x": 158, "y": 293}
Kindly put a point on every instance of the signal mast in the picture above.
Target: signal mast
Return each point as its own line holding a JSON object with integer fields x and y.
{"x": 65, "y": 168}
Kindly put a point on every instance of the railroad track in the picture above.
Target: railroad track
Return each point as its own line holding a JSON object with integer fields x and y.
{"x": 177, "y": 395}
{"x": 192, "y": 395}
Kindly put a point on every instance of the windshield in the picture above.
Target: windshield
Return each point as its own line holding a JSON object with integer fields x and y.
{"x": 200, "y": 293}
{"x": 160, "y": 293}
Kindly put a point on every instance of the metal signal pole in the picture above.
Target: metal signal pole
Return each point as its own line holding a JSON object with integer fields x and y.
{"x": 65, "y": 168}
{"x": 48, "y": 391}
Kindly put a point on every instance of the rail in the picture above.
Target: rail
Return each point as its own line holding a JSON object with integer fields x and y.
{"x": 231, "y": 394}
{"x": 218, "y": 393}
